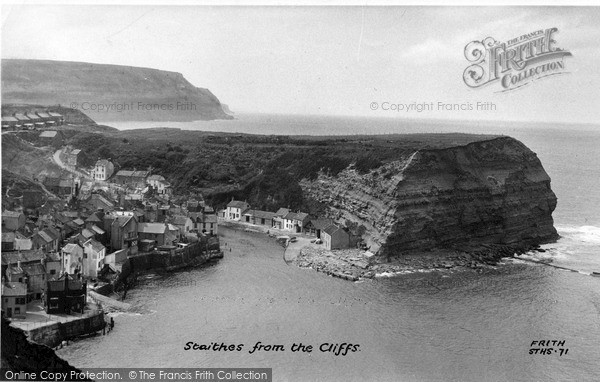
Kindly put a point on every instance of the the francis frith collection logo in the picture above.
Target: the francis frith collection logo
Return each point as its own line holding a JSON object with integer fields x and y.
{"x": 514, "y": 63}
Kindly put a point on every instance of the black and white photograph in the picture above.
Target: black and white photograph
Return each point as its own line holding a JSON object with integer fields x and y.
{"x": 295, "y": 191}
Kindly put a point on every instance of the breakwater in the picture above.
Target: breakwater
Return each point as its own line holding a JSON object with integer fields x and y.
{"x": 168, "y": 259}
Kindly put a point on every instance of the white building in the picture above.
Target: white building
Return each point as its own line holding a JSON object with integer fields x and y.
{"x": 159, "y": 183}
{"x": 235, "y": 209}
{"x": 93, "y": 260}
{"x": 72, "y": 255}
{"x": 103, "y": 170}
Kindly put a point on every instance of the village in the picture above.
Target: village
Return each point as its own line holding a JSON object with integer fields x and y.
{"x": 69, "y": 247}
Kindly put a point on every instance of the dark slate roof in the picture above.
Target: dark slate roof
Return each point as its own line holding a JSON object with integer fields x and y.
{"x": 24, "y": 256}
{"x": 93, "y": 218}
{"x": 123, "y": 220}
{"x": 321, "y": 223}
{"x": 53, "y": 232}
{"x": 301, "y": 215}
{"x": 125, "y": 173}
{"x": 34, "y": 269}
{"x": 237, "y": 204}
{"x": 140, "y": 174}
{"x": 96, "y": 245}
{"x": 44, "y": 235}
{"x": 101, "y": 199}
{"x": 56, "y": 285}
{"x": 332, "y": 229}
{"x": 282, "y": 212}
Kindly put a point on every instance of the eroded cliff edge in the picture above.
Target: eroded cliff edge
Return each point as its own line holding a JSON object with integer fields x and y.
{"x": 487, "y": 192}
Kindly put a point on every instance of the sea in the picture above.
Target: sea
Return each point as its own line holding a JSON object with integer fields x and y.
{"x": 451, "y": 326}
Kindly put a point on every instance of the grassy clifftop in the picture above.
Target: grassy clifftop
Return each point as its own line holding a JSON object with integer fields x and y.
{"x": 141, "y": 94}
{"x": 265, "y": 170}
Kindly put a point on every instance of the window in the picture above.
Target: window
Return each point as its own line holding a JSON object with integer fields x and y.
{"x": 17, "y": 310}
{"x": 52, "y": 271}
{"x": 20, "y": 301}
{"x": 54, "y": 302}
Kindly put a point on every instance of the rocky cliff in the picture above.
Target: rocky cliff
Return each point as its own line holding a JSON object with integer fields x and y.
{"x": 487, "y": 192}
{"x": 21, "y": 356}
{"x": 108, "y": 92}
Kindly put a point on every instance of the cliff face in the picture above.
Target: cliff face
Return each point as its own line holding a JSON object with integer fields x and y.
{"x": 108, "y": 92}
{"x": 493, "y": 191}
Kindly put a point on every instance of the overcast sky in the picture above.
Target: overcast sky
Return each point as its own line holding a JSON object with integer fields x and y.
{"x": 322, "y": 60}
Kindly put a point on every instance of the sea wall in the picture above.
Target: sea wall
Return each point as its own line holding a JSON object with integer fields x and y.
{"x": 194, "y": 254}
{"x": 21, "y": 355}
{"x": 487, "y": 192}
{"x": 53, "y": 334}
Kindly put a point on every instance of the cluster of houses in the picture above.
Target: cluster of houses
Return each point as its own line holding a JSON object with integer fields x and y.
{"x": 51, "y": 255}
{"x": 104, "y": 169}
{"x": 32, "y": 120}
{"x": 332, "y": 235}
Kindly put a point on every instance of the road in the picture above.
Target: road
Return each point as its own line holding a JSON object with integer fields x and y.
{"x": 59, "y": 162}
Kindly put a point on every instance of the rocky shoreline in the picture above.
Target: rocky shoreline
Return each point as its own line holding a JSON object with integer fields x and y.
{"x": 354, "y": 265}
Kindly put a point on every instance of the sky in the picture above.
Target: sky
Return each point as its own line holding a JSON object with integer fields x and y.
{"x": 355, "y": 61}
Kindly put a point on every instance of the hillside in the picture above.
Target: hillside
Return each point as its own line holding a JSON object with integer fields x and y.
{"x": 124, "y": 92}
{"x": 265, "y": 170}
{"x": 19, "y": 156}
{"x": 395, "y": 193}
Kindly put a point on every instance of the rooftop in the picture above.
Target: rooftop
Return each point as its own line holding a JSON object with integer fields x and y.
{"x": 260, "y": 214}
{"x": 22, "y": 256}
{"x": 14, "y": 289}
{"x": 11, "y": 214}
{"x": 237, "y": 204}
{"x": 48, "y": 134}
{"x": 102, "y": 162}
{"x": 153, "y": 228}
{"x": 333, "y": 229}
{"x": 95, "y": 245}
{"x": 282, "y": 212}
{"x": 71, "y": 248}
